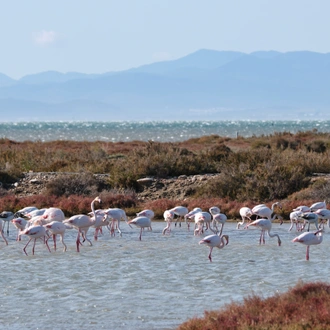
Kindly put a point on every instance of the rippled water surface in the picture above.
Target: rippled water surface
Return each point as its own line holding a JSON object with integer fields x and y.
{"x": 156, "y": 131}
{"x": 156, "y": 283}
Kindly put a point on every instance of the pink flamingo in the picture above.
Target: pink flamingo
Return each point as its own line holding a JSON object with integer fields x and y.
{"x": 265, "y": 225}
{"x": 20, "y": 224}
{"x": 6, "y": 216}
{"x": 116, "y": 215}
{"x": 302, "y": 208}
{"x": 53, "y": 214}
{"x": 215, "y": 241}
{"x": 142, "y": 222}
{"x": 245, "y": 213}
{"x": 56, "y": 228}
{"x": 34, "y": 233}
{"x": 219, "y": 218}
{"x": 309, "y": 238}
{"x": 82, "y": 222}
{"x": 1, "y": 232}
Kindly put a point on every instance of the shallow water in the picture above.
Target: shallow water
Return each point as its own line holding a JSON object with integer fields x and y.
{"x": 156, "y": 283}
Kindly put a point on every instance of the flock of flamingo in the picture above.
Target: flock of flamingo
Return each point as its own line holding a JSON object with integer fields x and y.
{"x": 48, "y": 223}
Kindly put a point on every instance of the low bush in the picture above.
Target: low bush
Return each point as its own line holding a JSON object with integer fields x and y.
{"x": 305, "y": 306}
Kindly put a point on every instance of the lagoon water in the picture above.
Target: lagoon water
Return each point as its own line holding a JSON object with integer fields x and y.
{"x": 156, "y": 283}
{"x": 155, "y": 131}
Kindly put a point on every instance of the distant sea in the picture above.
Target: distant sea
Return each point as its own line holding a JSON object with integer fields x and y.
{"x": 161, "y": 131}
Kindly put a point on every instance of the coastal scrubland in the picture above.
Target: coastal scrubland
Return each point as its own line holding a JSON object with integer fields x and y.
{"x": 286, "y": 167}
{"x": 291, "y": 168}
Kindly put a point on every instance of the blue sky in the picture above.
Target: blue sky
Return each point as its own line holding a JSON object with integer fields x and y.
{"x": 105, "y": 35}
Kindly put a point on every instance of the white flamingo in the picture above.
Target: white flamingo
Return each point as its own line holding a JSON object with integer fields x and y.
{"x": 34, "y": 233}
{"x": 219, "y": 218}
{"x": 1, "y": 232}
{"x": 265, "y": 225}
{"x": 82, "y": 222}
{"x": 310, "y": 217}
{"x": 215, "y": 241}
{"x": 180, "y": 212}
{"x": 302, "y": 208}
{"x": 295, "y": 218}
{"x": 168, "y": 217}
{"x": 263, "y": 211}
{"x": 318, "y": 205}
{"x": 141, "y": 222}
{"x": 6, "y": 216}
{"x": 309, "y": 238}
{"x": 202, "y": 218}
{"x": 245, "y": 213}
{"x": 323, "y": 214}
{"x": 190, "y": 216}
{"x": 57, "y": 228}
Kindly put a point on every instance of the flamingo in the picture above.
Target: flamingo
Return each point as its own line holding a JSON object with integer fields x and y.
{"x": 310, "y": 217}
{"x": 309, "y": 238}
{"x": 245, "y": 213}
{"x": 142, "y": 222}
{"x": 202, "y": 218}
{"x": 53, "y": 214}
{"x": 20, "y": 224}
{"x": 146, "y": 213}
{"x": 214, "y": 210}
{"x": 116, "y": 215}
{"x": 302, "y": 208}
{"x": 264, "y": 225}
{"x": 214, "y": 241}
{"x": 168, "y": 217}
{"x": 263, "y": 211}
{"x": 295, "y": 217}
{"x": 191, "y": 216}
{"x": 180, "y": 212}
{"x": 34, "y": 233}
{"x": 6, "y": 216}
{"x": 35, "y": 213}
{"x": 318, "y": 205}
{"x": 323, "y": 214}
{"x": 26, "y": 210}
{"x": 220, "y": 218}
{"x": 57, "y": 228}
{"x": 1, "y": 232}
{"x": 82, "y": 222}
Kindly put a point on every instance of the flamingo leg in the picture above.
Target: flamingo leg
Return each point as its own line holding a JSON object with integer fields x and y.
{"x": 141, "y": 233}
{"x": 307, "y": 252}
{"x": 34, "y": 244}
{"x": 78, "y": 240}
{"x": 54, "y": 239}
{"x": 210, "y": 257}
{"x": 62, "y": 240}
{"x": 24, "y": 249}
{"x": 4, "y": 238}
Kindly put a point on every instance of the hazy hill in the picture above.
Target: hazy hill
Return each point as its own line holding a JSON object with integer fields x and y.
{"x": 205, "y": 85}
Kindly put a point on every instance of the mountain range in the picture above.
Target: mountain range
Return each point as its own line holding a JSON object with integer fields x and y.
{"x": 204, "y": 85}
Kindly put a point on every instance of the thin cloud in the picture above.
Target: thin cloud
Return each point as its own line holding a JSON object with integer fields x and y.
{"x": 45, "y": 38}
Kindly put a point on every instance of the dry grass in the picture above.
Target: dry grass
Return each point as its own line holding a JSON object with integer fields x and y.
{"x": 305, "y": 306}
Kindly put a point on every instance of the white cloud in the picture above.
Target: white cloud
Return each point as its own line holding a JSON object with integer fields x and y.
{"x": 161, "y": 56}
{"x": 45, "y": 38}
